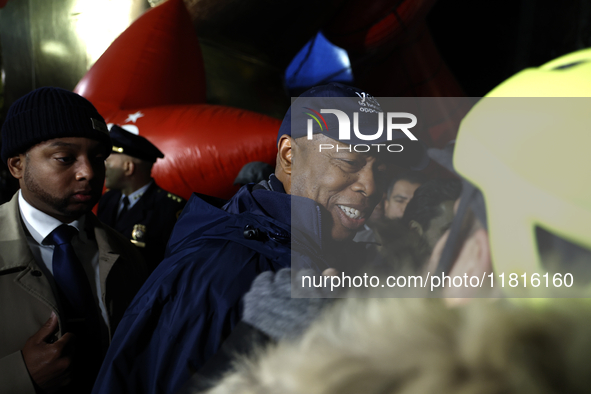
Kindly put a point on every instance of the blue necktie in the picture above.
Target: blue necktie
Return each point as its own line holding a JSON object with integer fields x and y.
{"x": 69, "y": 273}
{"x": 125, "y": 202}
{"x": 80, "y": 311}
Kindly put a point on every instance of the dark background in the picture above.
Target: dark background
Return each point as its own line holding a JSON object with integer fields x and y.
{"x": 485, "y": 42}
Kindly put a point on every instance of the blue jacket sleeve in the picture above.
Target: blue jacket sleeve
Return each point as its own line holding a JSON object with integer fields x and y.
{"x": 180, "y": 318}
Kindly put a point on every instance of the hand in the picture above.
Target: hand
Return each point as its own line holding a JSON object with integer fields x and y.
{"x": 49, "y": 364}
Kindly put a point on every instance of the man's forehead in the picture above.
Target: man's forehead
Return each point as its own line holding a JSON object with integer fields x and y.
{"x": 403, "y": 188}
{"x": 70, "y": 143}
{"x": 405, "y": 183}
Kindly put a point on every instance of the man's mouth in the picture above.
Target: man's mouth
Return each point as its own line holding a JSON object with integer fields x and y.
{"x": 83, "y": 196}
{"x": 351, "y": 212}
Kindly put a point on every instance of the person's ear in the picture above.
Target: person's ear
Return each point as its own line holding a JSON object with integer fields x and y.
{"x": 16, "y": 166}
{"x": 285, "y": 153}
{"x": 416, "y": 226}
{"x": 128, "y": 168}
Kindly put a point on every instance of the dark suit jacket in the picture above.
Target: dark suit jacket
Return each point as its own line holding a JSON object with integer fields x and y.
{"x": 157, "y": 210}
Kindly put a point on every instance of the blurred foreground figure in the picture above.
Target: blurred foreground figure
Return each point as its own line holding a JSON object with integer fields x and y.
{"x": 525, "y": 207}
{"x": 135, "y": 205}
{"x": 410, "y": 346}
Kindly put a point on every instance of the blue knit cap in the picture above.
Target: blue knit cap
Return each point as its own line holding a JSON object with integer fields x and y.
{"x": 47, "y": 113}
{"x": 322, "y": 96}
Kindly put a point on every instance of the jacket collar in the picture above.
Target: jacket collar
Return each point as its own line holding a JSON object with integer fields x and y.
{"x": 109, "y": 251}
{"x": 138, "y": 212}
{"x": 39, "y": 224}
{"x": 136, "y": 196}
{"x": 14, "y": 250}
{"x": 305, "y": 218}
{"x": 302, "y": 216}
{"x": 299, "y": 217}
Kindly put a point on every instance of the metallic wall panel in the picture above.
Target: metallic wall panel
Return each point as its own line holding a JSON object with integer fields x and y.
{"x": 59, "y": 56}
{"x": 54, "y": 43}
{"x": 17, "y": 53}
{"x": 239, "y": 80}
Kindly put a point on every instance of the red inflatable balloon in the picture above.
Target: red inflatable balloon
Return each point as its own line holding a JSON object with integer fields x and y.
{"x": 205, "y": 146}
{"x": 151, "y": 82}
{"x": 156, "y": 61}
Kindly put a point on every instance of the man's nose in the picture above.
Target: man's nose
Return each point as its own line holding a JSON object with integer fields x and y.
{"x": 366, "y": 182}
{"x": 85, "y": 169}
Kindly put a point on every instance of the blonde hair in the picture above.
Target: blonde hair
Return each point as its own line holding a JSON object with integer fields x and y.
{"x": 386, "y": 346}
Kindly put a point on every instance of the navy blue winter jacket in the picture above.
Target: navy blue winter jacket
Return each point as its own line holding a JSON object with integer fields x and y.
{"x": 191, "y": 302}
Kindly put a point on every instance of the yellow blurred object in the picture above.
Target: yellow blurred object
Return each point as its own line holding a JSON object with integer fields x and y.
{"x": 525, "y": 146}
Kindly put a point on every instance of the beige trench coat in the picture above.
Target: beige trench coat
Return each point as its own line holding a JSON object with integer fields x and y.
{"x": 26, "y": 297}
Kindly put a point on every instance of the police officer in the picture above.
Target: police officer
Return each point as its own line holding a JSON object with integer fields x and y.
{"x": 134, "y": 205}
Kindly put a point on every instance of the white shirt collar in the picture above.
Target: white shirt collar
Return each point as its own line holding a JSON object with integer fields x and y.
{"x": 40, "y": 224}
{"x": 136, "y": 195}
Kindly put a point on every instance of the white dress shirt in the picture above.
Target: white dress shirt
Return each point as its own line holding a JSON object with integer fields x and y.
{"x": 133, "y": 197}
{"x": 40, "y": 225}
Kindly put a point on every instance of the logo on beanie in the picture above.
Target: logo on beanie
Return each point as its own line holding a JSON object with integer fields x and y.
{"x": 368, "y": 103}
{"x": 99, "y": 126}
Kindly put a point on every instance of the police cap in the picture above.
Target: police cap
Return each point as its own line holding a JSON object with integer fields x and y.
{"x": 133, "y": 145}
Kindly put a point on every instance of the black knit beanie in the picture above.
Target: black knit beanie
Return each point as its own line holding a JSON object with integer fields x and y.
{"x": 47, "y": 113}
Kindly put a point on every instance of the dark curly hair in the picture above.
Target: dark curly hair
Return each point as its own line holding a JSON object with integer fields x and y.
{"x": 424, "y": 206}
{"x": 410, "y": 176}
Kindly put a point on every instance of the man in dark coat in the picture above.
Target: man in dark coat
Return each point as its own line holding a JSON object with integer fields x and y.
{"x": 304, "y": 216}
{"x": 135, "y": 205}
